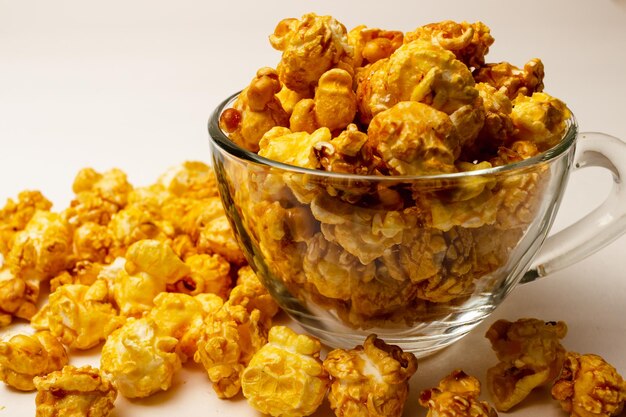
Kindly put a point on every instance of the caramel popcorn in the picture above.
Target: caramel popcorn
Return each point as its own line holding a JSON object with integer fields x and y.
{"x": 298, "y": 149}
{"x": 218, "y": 237}
{"x": 370, "y": 380}
{"x": 588, "y": 386}
{"x": 539, "y": 119}
{"x": 371, "y": 45}
{"x": 93, "y": 242}
{"x": 456, "y": 396}
{"x": 530, "y": 355}
{"x": 286, "y": 377}
{"x": 132, "y": 224}
{"x": 512, "y": 80}
{"x": 83, "y": 272}
{"x": 208, "y": 274}
{"x": 79, "y": 315}
{"x": 75, "y": 392}
{"x": 111, "y": 186}
{"x": 15, "y": 215}
{"x": 191, "y": 179}
{"x": 18, "y": 297}
{"x": 23, "y": 357}
{"x": 139, "y": 359}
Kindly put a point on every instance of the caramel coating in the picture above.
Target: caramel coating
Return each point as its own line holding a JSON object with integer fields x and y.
{"x": 369, "y": 380}
{"x": 23, "y": 357}
{"x": 511, "y": 79}
{"x": 286, "y": 377}
{"x": 111, "y": 186}
{"x": 208, "y": 274}
{"x": 530, "y": 355}
{"x": 540, "y": 119}
{"x": 456, "y": 396}
{"x": 311, "y": 46}
{"x": 75, "y": 392}
{"x": 18, "y": 297}
{"x": 293, "y": 148}
{"x": 371, "y": 45}
{"x": 588, "y": 386}
{"x": 139, "y": 359}
{"x": 191, "y": 179}
{"x": 469, "y": 42}
{"x": 15, "y": 215}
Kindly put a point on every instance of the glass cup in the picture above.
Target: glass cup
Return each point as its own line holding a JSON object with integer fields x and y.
{"x": 417, "y": 260}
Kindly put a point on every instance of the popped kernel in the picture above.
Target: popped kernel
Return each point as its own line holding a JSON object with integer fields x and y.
{"x": 15, "y": 215}
{"x": 191, "y": 179}
{"x": 369, "y": 380}
{"x": 81, "y": 316}
{"x": 23, "y": 357}
{"x": 280, "y": 144}
{"x": 75, "y": 392}
{"x": 139, "y": 359}
{"x": 588, "y": 386}
{"x": 540, "y": 118}
{"x": 218, "y": 237}
{"x": 83, "y": 272}
{"x": 371, "y": 45}
{"x": 132, "y": 224}
{"x": 530, "y": 355}
{"x": 456, "y": 396}
{"x": 93, "y": 242}
{"x": 18, "y": 297}
{"x": 251, "y": 294}
{"x": 513, "y": 80}
{"x": 111, "y": 185}
{"x": 208, "y": 274}
{"x": 286, "y": 377}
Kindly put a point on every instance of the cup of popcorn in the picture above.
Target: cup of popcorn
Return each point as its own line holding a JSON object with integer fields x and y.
{"x": 398, "y": 183}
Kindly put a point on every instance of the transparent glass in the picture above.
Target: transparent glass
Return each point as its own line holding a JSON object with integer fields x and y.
{"x": 418, "y": 260}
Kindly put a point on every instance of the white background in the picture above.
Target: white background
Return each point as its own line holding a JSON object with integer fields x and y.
{"x": 130, "y": 84}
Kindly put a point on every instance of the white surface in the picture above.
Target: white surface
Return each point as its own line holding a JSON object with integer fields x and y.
{"x": 130, "y": 84}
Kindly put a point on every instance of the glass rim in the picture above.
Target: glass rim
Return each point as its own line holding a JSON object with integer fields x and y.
{"x": 225, "y": 144}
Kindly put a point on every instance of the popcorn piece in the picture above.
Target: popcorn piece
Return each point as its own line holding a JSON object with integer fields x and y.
{"x": 179, "y": 316}
{"x": 349, "y": 153}
{"x": 540, "y": 118}
{"x": 413, "y": 138}
{"x": 218, "y": 237}
{"x": 15, "y": 215}
{"x": 311, "y": 46}
{"x": 150, "y": 266}
{"x": 370, "y": 380}
{"x": 297, "y": 148}
{"x": 132, "y": 224}
{"x": 190, "y": 216}
{"x": 469, "y": 42}
{"x": 251, "y": 294}
{"x": 230, "y": 337}
{"x": 209, "y": 274}
{"x": 80, "y": 315}
{"x": 588, "y": 386}
{"x": 89, "y": 207}
{"x": 93, "y": 242}
{"x": 334, "y": 105}
{"x": 456, "y": 396}
{"x": 42, "y": 249}
{"x": 152, "y": 198}
{"x": 256, "y": 110}
{"x": 192, "y": 179}
{"x": 417, "y": 71}
{"x": 371, "y": 45}
{"x": 75, "y": 392}
{"x": 530, "y": 355}
{"x": 286, "y": 377}
{"x": 23, "y": 357}
{"x": 83, "y": 272}
{"x": 111, "y": 186}
{"x": 139, "y": 358}
{"x": 18, "y": 297}
{"x": 513, "y": 80}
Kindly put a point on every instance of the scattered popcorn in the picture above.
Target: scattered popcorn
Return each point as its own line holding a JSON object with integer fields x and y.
{"x": 23, "y": 357}
{"x": 370, "y": 380}
{"x": 286, "y": 377}
{"x": 75, "y": 392}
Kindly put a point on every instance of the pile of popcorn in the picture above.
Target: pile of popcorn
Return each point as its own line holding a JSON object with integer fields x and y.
{"x": 386, "y": 104}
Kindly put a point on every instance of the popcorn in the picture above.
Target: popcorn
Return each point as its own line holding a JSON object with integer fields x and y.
{"x": 83, "y": 272}
{"x": 218, "y": 237}
{"x": 208, "y": 274}
{"x": 93, "y": 242}
{"x": 512, "y": 80}
{"x": 540, "y": 119}
{"x": 139, "y": 359}
{"x": 281, "y": 145}
{"x": 286, "y": 377}
{"x": 79, "y": 315}
{"x": 75, "y": 392}
{"x": 111, "y": 186}
{"x": 456, "y": 396}
{"x": 23, "y": 357}
{"x": 588, "y": 386}
{"x": 370, "y": 380}
{"x": 371, "y": 45}
{"x": 15, "y": 215}
{"x": 18, "y": 297}
{"x": 530, "y": 355}
{"x": 191, "y": 179}
{"x": 132, "y": 224}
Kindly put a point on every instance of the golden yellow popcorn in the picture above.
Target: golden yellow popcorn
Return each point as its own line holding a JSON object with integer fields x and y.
{"x": 42, "y": 249}
{"x": 23, "y": 357}
{"x": 80, "y": 316}
{"x": 152, "y": 198}
{"x": 179, "y": 316}
{"x": 530, "y": 355}
{"x": 540, "y": 118}
{"x": 251, "y": 294}
{"x": 371, "y": 45}
{"x": 218, "y": 237}
{"x": 311, "y": 46}
{"x": 18, "y": 297}
{"x": 208, "y": 274}
{"x": 469, "y": 42}
{"x": 15, "y": 215}
{"x": 93, "y": 242}
{"x": 75, "y": 392}
{"x": 456, "y": 396}
{"x": 111, "y": 186}
{"x": 369, "y": 380}
{"x": 89, "y": 207}
{"x": 193, "y": 179}
{"x": 588, "y": 386}
{"x": 280, "y": 144}
{"x": 513, "y": 80}
{"x": 349, "y": 152}
{"x": 150, "y": 266}
{"x": 83, "y": 272}
{"x": 132, "y": 224}
{"x": 413, "y": 138}
{"x": 139, "y": 359}
{"x": 256, "y": 110}
{"x": 286, "y": 377}
{"x": 189, "y": 216}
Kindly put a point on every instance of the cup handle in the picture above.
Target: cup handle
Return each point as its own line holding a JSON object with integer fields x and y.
{"x": 598, "y": 228}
